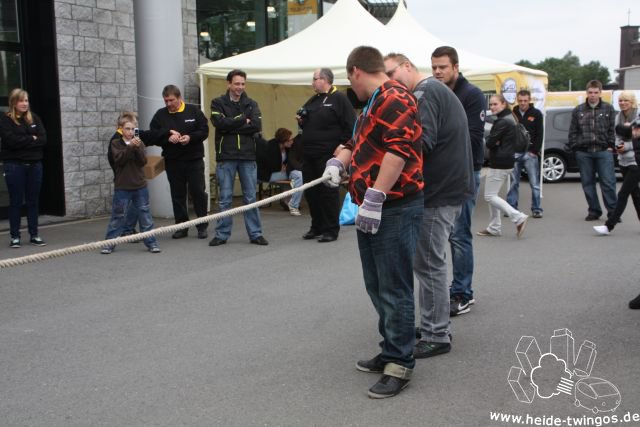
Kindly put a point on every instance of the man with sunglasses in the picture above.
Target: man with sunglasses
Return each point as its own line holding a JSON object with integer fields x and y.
{"x": 448, "y": 175}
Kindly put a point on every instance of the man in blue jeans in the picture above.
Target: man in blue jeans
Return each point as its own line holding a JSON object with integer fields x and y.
{"x": 384, "y": 159}
{"x": 592, "y": 137}
{"x": 445, "y": 67}
{"x": 448, "y": 174}
{"x": 531, "y": 119}
{"x": 238, "y": 121}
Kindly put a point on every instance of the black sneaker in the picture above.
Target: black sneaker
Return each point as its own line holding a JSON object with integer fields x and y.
{"x": 425, "y": 349}
{"x": 592, "y": 217}
{"x": 311, "y": 234}
{"x": 634, "y": 304}
{"x": 180, "y": 234}
{"x": 202, "y": 234}
{"x": 37, "y": 241}
{"x": 14, "y": 243}
{"x": 387, "y": 386}
{"x": 217, "y": 242}
{"x": 459, "y": 305}
{"x": 374, "y": 366}
{"x": 260, "y": 240}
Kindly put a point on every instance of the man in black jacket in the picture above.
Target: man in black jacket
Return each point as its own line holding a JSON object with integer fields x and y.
{"x": 445, "y": 67}
{"x": 238, "y": 123}
{"x": 326, "y": 120}
{"x": 180, "y": 130}
{"x": 531, "y": 119}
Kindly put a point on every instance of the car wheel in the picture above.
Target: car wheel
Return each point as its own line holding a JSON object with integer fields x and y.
{"x": 554, "y": 167}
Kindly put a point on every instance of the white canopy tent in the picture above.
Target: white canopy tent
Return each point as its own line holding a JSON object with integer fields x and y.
{"x": 325, "y": 43}
{"x": 279, "y": 76}
{"x": 486, "y": 73}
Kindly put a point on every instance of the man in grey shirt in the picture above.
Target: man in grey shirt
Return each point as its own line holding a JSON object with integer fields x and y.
{"x": 448, "y": 177}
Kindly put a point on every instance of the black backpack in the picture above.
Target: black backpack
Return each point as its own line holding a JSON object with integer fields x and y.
{"x": 521, "y": 143}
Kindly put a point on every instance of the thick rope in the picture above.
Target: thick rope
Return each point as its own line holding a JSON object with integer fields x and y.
{"x": 14, "y": 262}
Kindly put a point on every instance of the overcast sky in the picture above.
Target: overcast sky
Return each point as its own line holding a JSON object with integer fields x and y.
{"x": 533, "y": 30}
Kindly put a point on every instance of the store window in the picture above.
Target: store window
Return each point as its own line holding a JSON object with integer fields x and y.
{"x": 10, "y": 71}
{"x": 230, "y": 27}
{"x": 10, "y": 50}
{"x": 9, "y": 21}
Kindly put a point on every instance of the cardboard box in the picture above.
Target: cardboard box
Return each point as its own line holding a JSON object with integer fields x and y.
{"x": 154, "y": 166}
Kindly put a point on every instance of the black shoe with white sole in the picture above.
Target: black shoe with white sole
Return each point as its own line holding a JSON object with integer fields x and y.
{"x": 374, "y": 366}
{"x": 387, "y": 386}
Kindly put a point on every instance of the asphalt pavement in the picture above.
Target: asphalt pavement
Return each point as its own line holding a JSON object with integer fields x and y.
{"x": 246, "y": 335}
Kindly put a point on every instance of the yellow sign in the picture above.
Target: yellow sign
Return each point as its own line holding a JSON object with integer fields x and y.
{"x": 571, "y": 99}
{"x": 302, "y": 7}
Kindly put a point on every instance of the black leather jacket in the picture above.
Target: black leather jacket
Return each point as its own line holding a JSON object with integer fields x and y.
{"x": 501, "y": 141}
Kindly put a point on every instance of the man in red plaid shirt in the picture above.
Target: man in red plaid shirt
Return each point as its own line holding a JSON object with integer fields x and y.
{"x": 385, "y": 164}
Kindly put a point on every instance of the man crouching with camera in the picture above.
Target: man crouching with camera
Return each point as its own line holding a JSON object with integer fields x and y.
{"x": 326, "y": 121}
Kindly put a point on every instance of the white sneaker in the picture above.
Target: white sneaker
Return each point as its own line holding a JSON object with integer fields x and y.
{"x": 520, "y": 226}
{"x": 294, "y": 211}
{"x": 602, "y": 229}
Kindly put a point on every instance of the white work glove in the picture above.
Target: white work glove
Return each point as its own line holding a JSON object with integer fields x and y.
{"x": 335, "y": 170}
{"x": 370, "y": 212}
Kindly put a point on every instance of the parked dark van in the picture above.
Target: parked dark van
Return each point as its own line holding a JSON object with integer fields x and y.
{"x": 557, "y": 159}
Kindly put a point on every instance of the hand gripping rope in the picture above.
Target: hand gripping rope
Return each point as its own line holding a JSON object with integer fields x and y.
{"x": 14, "y": 262}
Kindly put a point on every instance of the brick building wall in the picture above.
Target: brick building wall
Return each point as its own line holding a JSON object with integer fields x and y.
{"x": 97, "y": 73}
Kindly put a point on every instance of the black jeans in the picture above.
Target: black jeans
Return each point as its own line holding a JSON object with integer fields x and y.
{"x": 323, "y": 201}
{"x": 631, "y": 178}
{"x": 183, "y": 175}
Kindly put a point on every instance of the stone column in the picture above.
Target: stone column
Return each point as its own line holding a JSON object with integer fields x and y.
{"x": 159, "y": 62}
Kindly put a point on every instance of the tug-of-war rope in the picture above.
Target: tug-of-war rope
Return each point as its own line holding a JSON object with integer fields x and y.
{"x": 86, "y": 247}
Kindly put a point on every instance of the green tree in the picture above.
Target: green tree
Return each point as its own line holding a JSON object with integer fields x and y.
{"x": 568, "y": 68}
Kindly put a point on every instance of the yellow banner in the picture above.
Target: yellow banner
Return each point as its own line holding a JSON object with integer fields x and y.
{"x": 302, "y": 7}
{"x": 571, "y": 99}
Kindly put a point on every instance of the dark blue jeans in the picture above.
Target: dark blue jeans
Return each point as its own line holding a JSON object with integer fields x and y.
{"x": 461, "y": 240}
{"x": 121, "y": 201}
{"x": 131, "y": 220}
{"x": 387, "y": 267}
{"x": 530, "y": 163}
{"x": 23, "y": 183}
{"x": 600, "y": 163}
